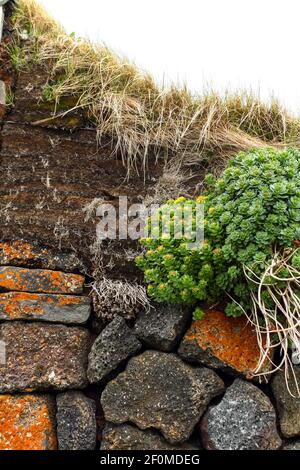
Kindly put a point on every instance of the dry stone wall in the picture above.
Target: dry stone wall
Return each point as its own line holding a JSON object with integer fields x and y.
{"x": 158, "y": 382}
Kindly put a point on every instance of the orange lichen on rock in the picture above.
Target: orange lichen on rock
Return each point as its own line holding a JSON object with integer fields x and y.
{"x": 27, "y": 422}
{"x": 40, "y": 280}
{"x": 222, "y": 342}
{"x": 17, "y": 250}
{"x": 47, "y": 307}
{"x": 25, "y": 254}
{"x": 10, "y": 304}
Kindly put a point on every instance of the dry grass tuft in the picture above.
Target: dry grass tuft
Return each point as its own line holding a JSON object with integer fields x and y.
{"x": 140, "y": 118}
{"x": 116, "y": 297}
{"x": 278, "y": 326}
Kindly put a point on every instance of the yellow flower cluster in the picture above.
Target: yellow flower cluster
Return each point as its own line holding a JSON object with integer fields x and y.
{"x": 201, "y": 199}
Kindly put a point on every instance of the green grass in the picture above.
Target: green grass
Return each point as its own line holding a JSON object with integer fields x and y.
{"x": 17, "y": 56}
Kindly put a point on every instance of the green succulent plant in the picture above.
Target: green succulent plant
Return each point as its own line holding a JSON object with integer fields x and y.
{"x": 251, "y": 209}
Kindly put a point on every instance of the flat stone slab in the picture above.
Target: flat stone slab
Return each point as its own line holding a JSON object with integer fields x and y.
{"x": 25, "y": 254}
{"x": 158, "y": 390}
{"x": 115, "y": 344}
{"x": 42, "y": 357}
{"x": 69, "y": 309}
{"x": 76, "y": 421}
{"x": 27, "y": 422}
{"x": 288, "y": 406}
{"x": 221, "y": 342}
{"x": 244, "y": 419}
{"x": 129, "y": 437}
{"x": 163, "y": 326}
{"x": 40, "y": 280}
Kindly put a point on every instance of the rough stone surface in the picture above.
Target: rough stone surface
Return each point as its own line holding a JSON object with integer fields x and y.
{"x": 68, "y": 309}
{"x": 25, "y": 254}
{"x": 43, "y": 357}
{"x": 288, "y": 406}
{"x": 244, "y": 420}
{"x": 40, "y": 280}
{"x": 162, "y": 327}
{"x": 220, "y": 342}
{"x": 292, "y": 445}
{"x": 76, "y": 421}
{"x": 115, "y": 344}
{"x": 128, "y": 437}
{"x": 27, "y": 422}
{"x": 158, "y": 390}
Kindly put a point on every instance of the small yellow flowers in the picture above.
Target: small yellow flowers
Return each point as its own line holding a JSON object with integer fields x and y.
{"x": 160, "y": 248}
{"x": 179, "y": 200}
{"x": 168, "y": 257}
{"x": 211, "y": 210}
{"x": 150, "y": 253}
{"x": 217, "y": 251}
{"x": 201, "y": 199}
{"x": 150, "y": 287}
{"x": 162, "y": 286}
{"x": 145, "y": 241}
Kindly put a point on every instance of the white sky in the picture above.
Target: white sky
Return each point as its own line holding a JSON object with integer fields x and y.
{"x": 226, "y": 44}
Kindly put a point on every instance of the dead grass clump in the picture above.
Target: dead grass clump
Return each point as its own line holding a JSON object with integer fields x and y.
{"x": 141, "y": 118}
{"x": 277, "y": 326}
{"x": 116, "y": 297}
{"x": 170, "y": 185}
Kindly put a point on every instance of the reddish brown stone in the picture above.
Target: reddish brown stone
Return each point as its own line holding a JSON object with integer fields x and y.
{"x": 222, "y": 342}
{"x": 42, "y": 357}
{"x": 27, "y": 422}
{"x": 44, "y": 307}
{"x": 40, "y": 280}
